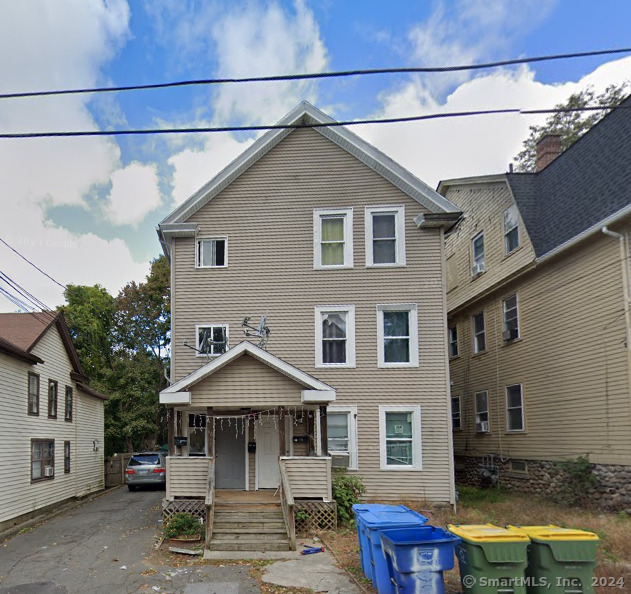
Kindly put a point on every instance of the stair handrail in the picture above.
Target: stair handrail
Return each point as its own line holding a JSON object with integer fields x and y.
{"x": 287, "y": 503}
{"x": 210, "y": 498}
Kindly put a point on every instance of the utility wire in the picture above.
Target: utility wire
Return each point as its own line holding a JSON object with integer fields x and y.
{"x": 24, "y": 293}
{"x": 31, "y": 263}
{"x": 334, "y": 124}
{"x": 318, "y": 75}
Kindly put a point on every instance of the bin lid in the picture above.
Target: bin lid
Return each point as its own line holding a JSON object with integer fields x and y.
{"x": 360, "y": 508}
{"x": 383, "y": 518}
{"x": 486, "y": 533}
{"x": 553, "y": 532}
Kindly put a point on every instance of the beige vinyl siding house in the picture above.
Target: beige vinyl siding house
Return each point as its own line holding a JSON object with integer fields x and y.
{"x": 74, "y": 435}
{"x": 552, "y": 380}
{"x": 337, "y": 245}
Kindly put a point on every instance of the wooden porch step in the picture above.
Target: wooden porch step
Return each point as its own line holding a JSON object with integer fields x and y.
{"x": 241, "y": 517}
{"x": 248, "y": 536}
{"x": 254, "y": 531}
{"x": 259, "y": 546}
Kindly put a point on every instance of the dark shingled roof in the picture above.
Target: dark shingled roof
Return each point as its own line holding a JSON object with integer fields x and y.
{"x": 587, "y": 183}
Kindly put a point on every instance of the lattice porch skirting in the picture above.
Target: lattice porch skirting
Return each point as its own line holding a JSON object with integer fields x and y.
{"x": 314, "y": 515}
{"x": 196, "y": 507}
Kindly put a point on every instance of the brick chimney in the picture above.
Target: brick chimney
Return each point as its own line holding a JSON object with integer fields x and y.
{"x": 548, "y": 149}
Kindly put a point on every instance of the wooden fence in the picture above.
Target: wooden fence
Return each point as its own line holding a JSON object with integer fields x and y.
{"x": 115, "y": 469}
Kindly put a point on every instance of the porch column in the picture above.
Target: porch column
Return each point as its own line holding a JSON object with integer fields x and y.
{"x": 171, "y": 429}
{"x": 323, "y": 431}
{"x": 282, "y": 451}
{"x": 210, "y": 430}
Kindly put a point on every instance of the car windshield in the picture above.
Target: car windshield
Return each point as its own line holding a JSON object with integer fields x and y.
{"x": 144, "y": 459}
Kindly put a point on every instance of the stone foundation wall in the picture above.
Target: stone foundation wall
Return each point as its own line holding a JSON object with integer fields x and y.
{"x": 611, "y": 489}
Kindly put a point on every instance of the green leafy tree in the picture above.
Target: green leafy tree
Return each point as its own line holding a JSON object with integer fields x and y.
{"x": 571, "y": 125}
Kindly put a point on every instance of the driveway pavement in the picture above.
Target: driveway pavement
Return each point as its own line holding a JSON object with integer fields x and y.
{"x": 103, "y": 546}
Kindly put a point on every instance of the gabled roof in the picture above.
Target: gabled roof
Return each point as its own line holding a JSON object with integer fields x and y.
{"x": 12, "y": 350}
{"x": 247, "y": 348}
{"x": 305, "y": 115}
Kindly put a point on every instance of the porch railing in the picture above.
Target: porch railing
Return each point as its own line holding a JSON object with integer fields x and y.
{"x": 186, "y": 478}
{"x": 287, "y": 503}
{"x": 210, "y": 499}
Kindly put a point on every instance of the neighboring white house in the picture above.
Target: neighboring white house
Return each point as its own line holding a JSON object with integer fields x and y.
{"x": 51, "y": 426}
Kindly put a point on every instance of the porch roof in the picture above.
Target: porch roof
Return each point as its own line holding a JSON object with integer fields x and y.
{"x": 315, "y": 390}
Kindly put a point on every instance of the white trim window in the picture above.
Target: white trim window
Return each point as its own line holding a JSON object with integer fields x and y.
{"x": 482, "y": 424}
{"x": 477, "y": 247}
{"x": 397, "y": 335}
{"x": 212, "y": 339}
{"x": 342, "y": 436}
{"x": 335, "y": 336}
{"x": 333, "y": 238}
{"x": 400, "y": 437}
{"x": 385, "y": 236}
{"x": 511, "y": 229}
{"x": 456, "y": 412}
{"x": 479, "y": 332}
{"x": 212, "y": 253}
{"x": 514, "y": 408}
{"x": 510, "y": 318}
{"x": 453, "y": 341}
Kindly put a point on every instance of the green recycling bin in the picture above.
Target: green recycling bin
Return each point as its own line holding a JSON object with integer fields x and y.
{"x": 560, "y": 560}
{"x": 492, "y": 559}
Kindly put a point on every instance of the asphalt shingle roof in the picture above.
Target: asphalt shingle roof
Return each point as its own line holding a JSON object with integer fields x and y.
{"x": 587, "y": 183}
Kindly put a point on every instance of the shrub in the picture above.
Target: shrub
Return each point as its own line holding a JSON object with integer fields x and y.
{"x": 182, "y": 524}
{"x": 579, "y": 481}
{"x": 346, "y": 491}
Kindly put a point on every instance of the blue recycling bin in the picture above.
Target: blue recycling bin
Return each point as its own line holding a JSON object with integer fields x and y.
{"x": 380, "y": 519}
{"x": 417, "y": 557}
{"x": 362, "y": 535}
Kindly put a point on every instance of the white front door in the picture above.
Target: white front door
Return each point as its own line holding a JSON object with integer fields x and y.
{"x": 267, "y": 472}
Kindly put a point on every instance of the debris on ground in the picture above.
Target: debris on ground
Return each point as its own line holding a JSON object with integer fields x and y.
{"x": 186, "y": 551}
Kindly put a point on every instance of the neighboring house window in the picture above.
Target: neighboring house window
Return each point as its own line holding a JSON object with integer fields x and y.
{"x": 511, "y": 229}
{"x": 479, "y": 334}
{"x": 212, "y": 340}
{"x": 52, "y": 398}
{"x": 66, "y": 457}
{"x": 482, "y": 412}
{"x": 333, "y": 238}
{"x": 385, "y": 236}
{"x": 33, "y": 393}
{"x": 510, "y": 318}
{"x": 342, "y": 436}
{"x": 479, "y": 264}
{"x": 212, "y": 253}
{"x": 397, "y": 334}
{"x": 514, "y": 408}
{"x": 68, "y": 407}
{"x": 456, "y": 413}
{"x": 400, "y": 437}
{"x": 335, "y": 336}
{"x": 453, "y": 341}
{"x": 42, "y": 459}
{"x": 197, "y": 434}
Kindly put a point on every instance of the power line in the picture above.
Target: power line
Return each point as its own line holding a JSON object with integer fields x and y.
{"x": 335, "y": 124}
{"x": 33, "y": 265}
{"x": 24, "y": 293}
{"x": 319, "y": 75}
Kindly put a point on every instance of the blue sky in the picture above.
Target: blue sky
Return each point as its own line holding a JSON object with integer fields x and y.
{"x": 85, "y": 210}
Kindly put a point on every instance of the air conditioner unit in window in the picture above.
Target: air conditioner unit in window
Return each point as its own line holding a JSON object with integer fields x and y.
{"x": 482, "y": 427}
{"x": 340, "y": 460}
{"x": 478, "y": 268}
{"x": 511, "y": 334}
{"x": 49, "y": 471}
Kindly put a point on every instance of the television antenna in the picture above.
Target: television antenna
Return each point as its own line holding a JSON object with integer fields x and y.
{"x": 261, "y": 331}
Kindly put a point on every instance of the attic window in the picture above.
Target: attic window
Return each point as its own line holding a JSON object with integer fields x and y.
{"x": 511, "y": 229}
{"x": 212, "y": 253}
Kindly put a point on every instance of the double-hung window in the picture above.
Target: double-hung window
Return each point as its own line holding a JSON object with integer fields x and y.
{"x": 511, "y": 229}
{"x": 400, "y": 437}
{"x": 42, "y": 459}
{"x": 479, "y": 333}
{"x": 479, "y": 263}
{"x": 66, "y": 457}
{"x": 385, "y": 236}
{"x": 212, "y": 253}
{"x": 397, "y": 335}
{"x": 197, "y": 434}
{"x": 482, "y": 412}
{"x": 514, "y": 408}
{"x": 335, "y": 336}
{"x": 333, "y": 238}
{"x": 33, "y": 393}
{"x": 456, "y": 412}
{"x": 53, "y": 388}
{"x": 342, "y": 436}
{"x": 212, "y": 340}
{"x": 68, "y": 406}
{"x": 453, "y": 341}
{"x": 510, "y": 318}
